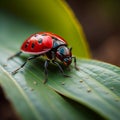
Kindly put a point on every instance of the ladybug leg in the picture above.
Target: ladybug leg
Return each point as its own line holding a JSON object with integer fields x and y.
{"x": 46, "y": 71}
{"x": 53, "y": 55}
{"x": 75, "y": 65}
{"x": 17, "y": 54}
{"x": 61, "y": 70}
{"x": 30, "y": 58}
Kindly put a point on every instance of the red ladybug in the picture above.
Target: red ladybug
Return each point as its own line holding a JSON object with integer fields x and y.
{"x": 49, "y": 44}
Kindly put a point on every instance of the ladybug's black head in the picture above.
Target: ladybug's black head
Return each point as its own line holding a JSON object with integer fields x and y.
{"x": 64, "y": 54}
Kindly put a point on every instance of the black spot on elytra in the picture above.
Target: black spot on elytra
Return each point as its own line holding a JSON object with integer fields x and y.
{"x": 33, "y": 45}
{"x": 54, "y": 38}
{"x": 40, "y": 40}
{"x": 26, "y": 45}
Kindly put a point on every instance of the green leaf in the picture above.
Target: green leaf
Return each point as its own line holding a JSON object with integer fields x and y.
{"x": 35, "y": 101}
{"x": 96, "y": 85}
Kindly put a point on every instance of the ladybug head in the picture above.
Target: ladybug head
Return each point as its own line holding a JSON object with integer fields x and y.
{"x": 64, "y": 54}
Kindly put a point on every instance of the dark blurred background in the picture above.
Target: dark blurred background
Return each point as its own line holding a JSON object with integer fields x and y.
{"x": 100, "y": 20}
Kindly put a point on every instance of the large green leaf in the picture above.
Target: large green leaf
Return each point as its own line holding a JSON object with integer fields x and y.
{"x": 96, "y": 86}
{"x": 35, "y": 101}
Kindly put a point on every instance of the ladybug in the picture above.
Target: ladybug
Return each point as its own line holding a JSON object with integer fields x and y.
{"x": 49, "y": 44}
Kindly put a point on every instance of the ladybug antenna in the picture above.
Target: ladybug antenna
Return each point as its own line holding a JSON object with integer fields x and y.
{"x": 70, "y": 49}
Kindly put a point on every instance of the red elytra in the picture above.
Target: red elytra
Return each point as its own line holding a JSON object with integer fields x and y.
{"x": 49, "y": 44}
{"x": 41, "y": 42}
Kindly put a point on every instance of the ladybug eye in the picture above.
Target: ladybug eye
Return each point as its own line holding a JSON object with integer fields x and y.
{"x": 67, "y": 59}
{"x": 63, "y": 51}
